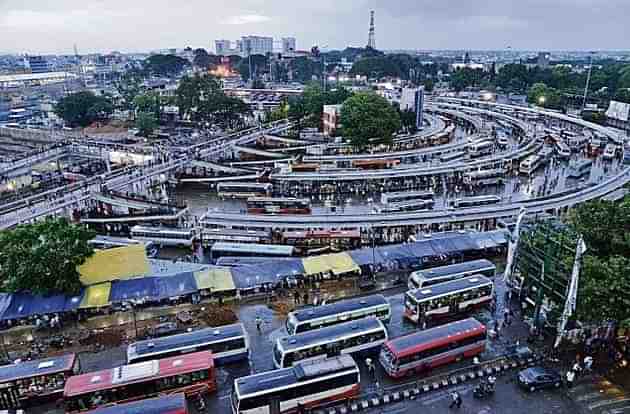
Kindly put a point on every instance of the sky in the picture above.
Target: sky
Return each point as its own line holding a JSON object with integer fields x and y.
{"x": 47, "y": 26}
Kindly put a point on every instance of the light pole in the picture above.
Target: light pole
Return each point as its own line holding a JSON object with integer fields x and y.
{"x": 588, "y": 80}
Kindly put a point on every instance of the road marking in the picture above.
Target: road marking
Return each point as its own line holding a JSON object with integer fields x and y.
{"x": 591, "y": 396}
{"x": 607, "y": 402}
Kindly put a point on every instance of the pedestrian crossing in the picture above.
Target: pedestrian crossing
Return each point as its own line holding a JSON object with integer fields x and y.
{"x": 597, "y": 395}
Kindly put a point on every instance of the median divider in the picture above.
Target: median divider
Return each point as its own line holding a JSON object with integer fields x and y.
{"x": 414, "y": 389}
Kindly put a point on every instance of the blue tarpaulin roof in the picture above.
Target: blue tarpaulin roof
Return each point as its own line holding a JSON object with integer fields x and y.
{"x": 171, "y": 286}
{"x": 366, "y": 256}
{"x": 23, "y": 305}
{"x": 141, "y": 288}
{"x": 272, "y": 271}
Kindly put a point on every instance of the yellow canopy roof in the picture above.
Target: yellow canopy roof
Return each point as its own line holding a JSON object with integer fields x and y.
{"x": 96, "y": 296}
{"x": 216, "y": 279}
{"x": 115, "y": 264}
{"x": 338, "y": 263}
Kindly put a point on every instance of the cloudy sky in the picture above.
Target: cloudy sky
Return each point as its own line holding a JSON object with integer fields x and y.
{"x": 53, "y": 26}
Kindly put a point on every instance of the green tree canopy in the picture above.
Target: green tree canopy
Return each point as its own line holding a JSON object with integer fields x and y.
{"x": 83, "y": 108}
{"x": 366, "y": 116}
{"x": 542, "y": 95}
{"x": 165, "y": 65}
{"x": 605, "y": 278}
{"x": 205, "y": 60}
{"x": 42, "y": 258}
{"x": 146, "y": 123}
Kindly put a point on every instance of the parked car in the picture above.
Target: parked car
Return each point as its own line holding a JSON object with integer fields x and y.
{"x": 536, "y": 378}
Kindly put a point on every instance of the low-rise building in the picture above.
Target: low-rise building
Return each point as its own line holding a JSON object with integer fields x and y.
{"x": 618, "y": 115}
{"x": 331, "y": 118}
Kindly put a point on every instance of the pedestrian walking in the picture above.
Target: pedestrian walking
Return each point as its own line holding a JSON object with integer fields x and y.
{"x": 305, "y": 298}
{"x": 570, "y": 378}
{"x": 370, "y": 366}
{"x": 456, "y": 400}
{"x": 296, "y": 297}
{"x": 588, "y": 363}
{"x": 258, "y": 324}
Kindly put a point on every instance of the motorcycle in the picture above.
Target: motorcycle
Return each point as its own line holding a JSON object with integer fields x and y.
{"x": 483, "y": 390}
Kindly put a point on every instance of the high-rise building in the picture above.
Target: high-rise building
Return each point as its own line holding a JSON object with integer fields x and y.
{"x": 222, "y": 46}
{"x": 288, "y": 44}
{"x": 413, "y": 99}
{"x": 256, "y": 45}
{"x": 37, "y": 64}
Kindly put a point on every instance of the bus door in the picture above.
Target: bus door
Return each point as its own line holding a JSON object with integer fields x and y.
{"x": 453, "y": 305}
{"x": 332, "y": 350}
{"x": 9, "y": 397}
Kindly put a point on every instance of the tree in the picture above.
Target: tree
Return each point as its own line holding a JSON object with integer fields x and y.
{"x": 260, "y": 64}
{"x": 83, "y": 108}
{"x": 165, "y": 65}
{"x": 128, "y": 87}
{"x": 408, "y": 120}
{"x": 146, "y": 123}
{"x": 202, "y": 59}
{"x": 542, "y": 95}
{"x": 605, "y": 226}
{"x": 147, "y": 102}
{"x": 297, "y": 110}
{"x": 42, "y": 258}
{"x": 429, "y": 85}
{"x": 366, "y": 116}
{"x": 190, "y": 93}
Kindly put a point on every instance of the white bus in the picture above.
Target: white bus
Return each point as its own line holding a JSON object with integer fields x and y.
{"x": 338, "y": 312}
{"x": 480, "y": 148}
{"x": 307, "y": 384}
{"x": 427, "y": 277}
{"x": 362, "y": 336}
{"x": 530, "y": 164}
{"x": 164, "y": 236}
{"x": 610, "y": 151}
{"x": 484, "y": 177}
{"x": 244, "y": 190}
{"x": 476, "y": 201}
{"x": 406, "y": 196}
{"x": 562, "y": 149}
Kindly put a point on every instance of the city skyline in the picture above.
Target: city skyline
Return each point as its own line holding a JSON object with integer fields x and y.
{"x": 98, "y": 26}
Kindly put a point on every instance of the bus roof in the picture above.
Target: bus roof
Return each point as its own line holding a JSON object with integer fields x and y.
{"x": 318, "y": 234}
{"x": 134, "y": 373}
{"x": 472, "y": 266}
{"x": 329, "y": 333}
{"x": 408, "y": 194}
{"x": 38, "y": 367}
{"x": 480, "y": 198}
{"x": 301, "y": 371}
{"x": 342, "y": 306}
{"x": 170, "y": 404}
{"x": 246, "y": 185}
{"x": 277, "y": 200}
{"x": 420, "y": 340}
{"x": 440, "y": 289}
{"x": 163, "y": 229}
{"x": 273, "y": 249}
{"x": 183, "y": 340}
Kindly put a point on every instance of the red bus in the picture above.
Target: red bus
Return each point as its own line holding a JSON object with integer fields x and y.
{"x": 268, "y": 205}
{"x": 316, "y": 239}
{"x": 424, "y": 350}
{"x": 375, "y": 164}
{"x": 170, "y": 404}
{"x": 191, "y": 374}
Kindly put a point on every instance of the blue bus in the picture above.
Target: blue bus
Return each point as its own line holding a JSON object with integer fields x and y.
{"x": 228, "y": 343}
